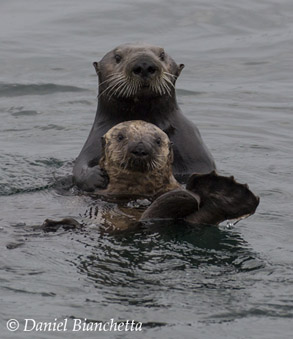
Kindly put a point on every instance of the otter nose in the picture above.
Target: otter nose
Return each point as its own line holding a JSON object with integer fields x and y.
{"x": 139, "y": 149}
{"x": 145, "y": 68}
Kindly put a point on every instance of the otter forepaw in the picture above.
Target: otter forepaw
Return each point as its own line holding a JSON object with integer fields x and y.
{"x": 92, "y": 178}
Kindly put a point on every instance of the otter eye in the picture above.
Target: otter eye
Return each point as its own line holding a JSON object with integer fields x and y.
{"x": 162, "y": 56}
{"x": 118, "y": 58}
{"x": 158, "y": 141}
{"x": 120, "y": 137}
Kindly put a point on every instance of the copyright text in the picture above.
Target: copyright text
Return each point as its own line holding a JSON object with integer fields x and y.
{"x": 73, "y": 325}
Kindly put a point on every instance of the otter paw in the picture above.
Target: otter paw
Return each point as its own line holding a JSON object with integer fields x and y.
{"x": 93, "y": 178}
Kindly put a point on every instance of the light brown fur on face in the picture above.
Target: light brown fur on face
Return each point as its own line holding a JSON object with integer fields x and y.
{"x": 146, "y": 174}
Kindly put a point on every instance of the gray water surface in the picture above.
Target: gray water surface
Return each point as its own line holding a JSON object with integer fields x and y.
{"x": 180, "y": 283}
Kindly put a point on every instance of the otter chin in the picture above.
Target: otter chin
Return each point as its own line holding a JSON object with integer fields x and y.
{"x": 137, "y": 157}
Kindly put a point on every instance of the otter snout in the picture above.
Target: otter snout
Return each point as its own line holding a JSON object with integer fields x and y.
{"x": 145, "y": 68}
{"x": 139, "y": 149}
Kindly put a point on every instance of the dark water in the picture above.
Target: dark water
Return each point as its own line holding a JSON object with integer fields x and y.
{"x": 180, "y": 283}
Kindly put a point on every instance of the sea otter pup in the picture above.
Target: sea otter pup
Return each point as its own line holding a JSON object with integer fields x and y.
{"x": 137, "y": 82}
{"x": 138, "y": 158}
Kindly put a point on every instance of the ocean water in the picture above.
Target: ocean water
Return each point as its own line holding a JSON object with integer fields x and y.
{"x": 227, "y": 282}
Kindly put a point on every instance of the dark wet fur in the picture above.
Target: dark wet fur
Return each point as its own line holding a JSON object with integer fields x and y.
{"x": 208, "y": 199}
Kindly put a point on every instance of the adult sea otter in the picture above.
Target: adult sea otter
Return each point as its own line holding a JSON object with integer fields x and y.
{"x": 137, "y": 82}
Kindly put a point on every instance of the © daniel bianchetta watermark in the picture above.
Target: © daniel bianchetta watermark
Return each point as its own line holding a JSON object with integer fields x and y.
{"x": 73, "y": 325}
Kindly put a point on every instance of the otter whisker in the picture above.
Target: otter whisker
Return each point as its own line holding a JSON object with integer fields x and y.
{"x": 118, "y": 88}
{"x": 127, "y": 90}
{"x": 112, "y": 77}
{"x": 157, "y": 88}
{"x": 135, "y": 87}
{"x": 111, "y": 87}
{"x": 152, "y": 87}
{"x": 132, "y": 88}
{"x": 165, "y": 87}
{"x": 168, "y": 81}
{"x": 112, "y": 84}
{"x": 171, "y": 75}
{"x": 122, "y": 90}
{"x": 124, "y": 86}
{"x": 109, "y": 90}
{"x": 160, "y": 88}
{"x": 115, "y": 82}
{"x": 166, "y": 84}
{"x": 161, "y": 85}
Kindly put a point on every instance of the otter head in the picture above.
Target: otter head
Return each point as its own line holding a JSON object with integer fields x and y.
{"x": 136, "y": 146}
{"x": 134, "y": 70}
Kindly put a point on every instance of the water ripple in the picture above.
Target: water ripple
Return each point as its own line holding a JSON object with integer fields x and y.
{"x": 207, "y": 260}
{"x": 19, "y": 174}
{"x": 15, "y": 90}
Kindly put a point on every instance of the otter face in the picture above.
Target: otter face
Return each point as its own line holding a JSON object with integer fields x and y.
{"x": 136, "y": 146}
{"x": 134, "y": 70}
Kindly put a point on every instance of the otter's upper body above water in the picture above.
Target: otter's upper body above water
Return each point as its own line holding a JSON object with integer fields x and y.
{"x": 137, "y": 82}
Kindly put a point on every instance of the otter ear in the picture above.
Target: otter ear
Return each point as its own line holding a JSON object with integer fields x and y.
{"x": 97, "y": 67}
{"x": 180, "y": 68}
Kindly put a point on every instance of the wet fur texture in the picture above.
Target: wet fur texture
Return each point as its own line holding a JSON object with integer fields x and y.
{"x": 209, "y": 199}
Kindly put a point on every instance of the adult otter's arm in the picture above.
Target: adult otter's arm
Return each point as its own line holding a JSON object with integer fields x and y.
{"x": 87, "y": 174}
{"x": 190, "y": 152}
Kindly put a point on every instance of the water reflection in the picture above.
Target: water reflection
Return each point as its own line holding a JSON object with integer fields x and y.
{"x": 133, "y": 267}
